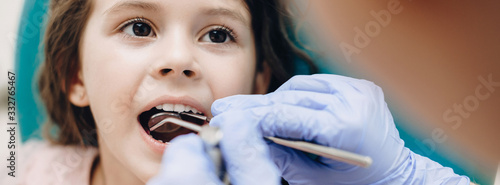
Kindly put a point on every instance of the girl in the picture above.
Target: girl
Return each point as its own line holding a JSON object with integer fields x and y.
{"x": 110, "y": 64}
{"x": 109, "y": 61}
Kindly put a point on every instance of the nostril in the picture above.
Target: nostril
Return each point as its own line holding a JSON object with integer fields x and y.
{"x": 188, "y": 73}
{"x": 165, "y": 71}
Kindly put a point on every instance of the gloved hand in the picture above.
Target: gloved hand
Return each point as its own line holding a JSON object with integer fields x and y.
{"x": 338, "y": 112}
{"x": 246, "y": 154}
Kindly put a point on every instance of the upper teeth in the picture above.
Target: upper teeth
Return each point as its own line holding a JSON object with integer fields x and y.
{"x": 177, "y": 108}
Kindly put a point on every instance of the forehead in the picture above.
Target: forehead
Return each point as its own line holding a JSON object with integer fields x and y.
{"x": 235, "y": 9}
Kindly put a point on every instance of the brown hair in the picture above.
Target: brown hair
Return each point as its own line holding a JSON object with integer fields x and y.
{"x": 67, "y": 19}
{"x": 271, "y": 21}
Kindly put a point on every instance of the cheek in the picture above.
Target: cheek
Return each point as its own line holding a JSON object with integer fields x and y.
{"x": 104, "y": 79}
{"x": 111, "y": 76}
{"x": 232, "y": 76}
{"x": 111, "y": 71}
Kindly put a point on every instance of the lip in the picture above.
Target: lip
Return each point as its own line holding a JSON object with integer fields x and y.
{"x": 156, "y": 146}
{"x": 185, "y": 100}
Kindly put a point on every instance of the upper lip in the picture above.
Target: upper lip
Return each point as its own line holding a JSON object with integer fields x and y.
{"x": 185, "y": 100}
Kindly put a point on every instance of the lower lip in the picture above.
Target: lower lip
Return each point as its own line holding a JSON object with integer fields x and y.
{"x": 156, "y": 146}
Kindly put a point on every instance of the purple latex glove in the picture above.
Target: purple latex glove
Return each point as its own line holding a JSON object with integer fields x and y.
{"x": 338, "y": 112}
{"x": 245, "y": 153}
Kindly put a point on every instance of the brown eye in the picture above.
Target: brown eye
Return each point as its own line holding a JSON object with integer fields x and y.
{"x": 217, "y": 36}
{"x": 141, "y": 29}
{"x": 138, "y": 28}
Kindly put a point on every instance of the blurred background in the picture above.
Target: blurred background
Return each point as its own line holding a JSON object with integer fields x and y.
{"x": 438, "y": 63}
{"x": 10, "y": 14}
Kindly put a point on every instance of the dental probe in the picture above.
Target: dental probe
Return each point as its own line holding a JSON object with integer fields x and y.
{"x": 324, "y": 151}
{"x": 211, "y": 137}
{"x": 328, "y": 152}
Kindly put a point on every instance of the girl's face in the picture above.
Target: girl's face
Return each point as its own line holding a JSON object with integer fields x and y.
{"x": 177, "y": 55}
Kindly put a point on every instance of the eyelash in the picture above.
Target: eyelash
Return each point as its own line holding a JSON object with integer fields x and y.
{"x": 129, "y": 22}
{"x": 229, "y": 31}
{"x": 226, "y": 29}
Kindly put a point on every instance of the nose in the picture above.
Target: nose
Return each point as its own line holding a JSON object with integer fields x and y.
{"x": 176, "y": 60}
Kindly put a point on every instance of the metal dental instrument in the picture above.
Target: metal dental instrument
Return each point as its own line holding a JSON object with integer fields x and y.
{"x": 324, "y": 151}
{"x": 164, "y": 117}
{"x": 211, "y": 136}
{"x": 328, "y": 152}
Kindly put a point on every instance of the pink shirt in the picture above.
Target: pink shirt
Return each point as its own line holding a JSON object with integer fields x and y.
{"x": 44, "y": 164}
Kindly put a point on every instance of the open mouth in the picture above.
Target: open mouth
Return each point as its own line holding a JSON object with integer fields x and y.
{"x": 168, "y": 131}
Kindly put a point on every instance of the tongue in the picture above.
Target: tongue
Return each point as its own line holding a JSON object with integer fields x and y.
{"x": 169, "y": 136}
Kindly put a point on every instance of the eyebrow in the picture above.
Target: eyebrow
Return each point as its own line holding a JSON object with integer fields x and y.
{"x": 134, "y": 4}
{"x": 124, "y": 5}
{"x": 225, "y": 12}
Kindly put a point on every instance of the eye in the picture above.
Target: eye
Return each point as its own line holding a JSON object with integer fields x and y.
{"x": 219, "y": 35}
{"x": 138, "y": 27}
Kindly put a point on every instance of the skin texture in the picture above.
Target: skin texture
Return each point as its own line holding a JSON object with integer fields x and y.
{"x": 121, "y": 74}
{"x": 428, "y": 59}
